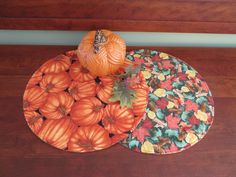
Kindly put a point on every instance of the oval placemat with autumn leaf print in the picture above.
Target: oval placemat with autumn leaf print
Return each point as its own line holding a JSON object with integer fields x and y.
{"x": 180, "y": 108}
{"x": 70, "y": 109}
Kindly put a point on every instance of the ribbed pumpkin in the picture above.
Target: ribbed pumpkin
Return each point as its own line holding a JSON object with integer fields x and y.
{"x": 56, "y": 65}
{"x": 34, "y": 120}
{"x": 58, "y": 105}
{"x": 35, "y": 79}
{"x": 140, "y": 102}
{"x": 102, "y": 52}
{"x": 57, "y": 132}
{"x": 34, "y": 98}
{"x": 117, "y": 120}
{"x": 55, "y": 82}
{"x": 104, "y": 88}
{"x": 80, "y": 73}
{"x": 87, "y": 111}
{"x": 90, "y": 138}
{"x": 80, "y": 90}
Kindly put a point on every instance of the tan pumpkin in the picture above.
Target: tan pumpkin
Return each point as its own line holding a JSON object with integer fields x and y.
{"x": 34, "y": 120}
{"x": 80, "y": 90}
{"x": 89, "y": 138}
{"x": 118, "y": 120}
{"x": 87, "y": 111}
{"x": 34, "y": 98}
{"x": 80, "y": 73}
{"x": 55, "y": 82}
{"x": 102, "y": 52}
{"x": 58, "y": 105}
{"x": 105, "y": 88}
{"x": 57, "y": 132}
{"x": 56, "y": 65}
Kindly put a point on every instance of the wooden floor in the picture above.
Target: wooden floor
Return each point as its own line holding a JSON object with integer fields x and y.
{"x": 22, "y": 154}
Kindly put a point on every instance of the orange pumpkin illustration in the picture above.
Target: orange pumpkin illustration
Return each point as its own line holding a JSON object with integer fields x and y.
{"x": 89, "y": 138}
{"x": 34, "y": 98}
{"x": 56, "y": 65}
{"x": 87, "y": 111}
{"x": 118, "y": 137}
{"x": 117, "y": 120}
{"x": 55, "y": 82}
{"x": 58, "y": 105}
{"x": 102, "y": 52}
{"x": 80, "y": 90}
{"x": 140, "y": 102}
{"x": 79, "y": 73}
{"x": 105, "y": 88}
{"x": 57, "y": 132}
{"x": 35, "y": 79}
{"x": 34, "y": 120}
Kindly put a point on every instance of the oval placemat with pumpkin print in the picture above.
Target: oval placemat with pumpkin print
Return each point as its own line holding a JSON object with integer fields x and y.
{"x": 71, "y": 109}
{"x": 180, "y": 106}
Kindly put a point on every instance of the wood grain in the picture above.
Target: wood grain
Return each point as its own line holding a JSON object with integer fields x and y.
{"x": 137, "y": 15}
{"x": 23, "y": 154}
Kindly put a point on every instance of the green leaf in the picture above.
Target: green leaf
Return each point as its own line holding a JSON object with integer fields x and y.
{"x": 123, "y": 94}
{"x": 172, "y": 133}
{"x": 133, "y": 143}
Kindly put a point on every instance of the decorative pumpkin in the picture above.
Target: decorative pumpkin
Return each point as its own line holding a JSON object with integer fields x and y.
{"x": 140, "y": 102}
{"x": 34, "y": 120}
{"x": 90, "y": 138}
{"x": 58, "y": 105}
{"x": 104, "y": 88}
{"x": 34, "y": 98}
{"x": 35, "y": 79}
{"x": 80, "y": 90}
{"x": 57, "y": 132}
{"x": 80, "y": 73}
{"x": 55, "y": 82}
{"x": 117, "y": 120}
{"x": 56, "y": 65}
{"x": 87, "y": 111}
{"x": 102, "y": 52}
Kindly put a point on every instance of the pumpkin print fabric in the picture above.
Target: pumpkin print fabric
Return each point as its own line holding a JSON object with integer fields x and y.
{"x": 180, "y": 106}
{"x": 68, "y": 108}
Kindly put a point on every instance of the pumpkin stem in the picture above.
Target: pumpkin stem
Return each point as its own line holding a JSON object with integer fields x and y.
{"x": 62, "y": 110}
{"x": 98, "y": 40}
{"x": 34, "y": 119}
{"x": 25, "y": 104}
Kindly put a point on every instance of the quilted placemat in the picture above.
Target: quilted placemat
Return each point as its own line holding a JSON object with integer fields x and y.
{"x": 68, "y": 108}
{"x": 180, "y": 107}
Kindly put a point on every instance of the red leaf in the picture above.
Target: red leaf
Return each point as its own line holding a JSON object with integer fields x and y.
{"x": 166, "y": 64}
{"x": 167, "y": 84}
{"x": 190, "y": 106}
{"x": 182, "y": 76}
{"x": 172, "y": 122}
{"x": 140, "y": 133}
{"x": 156, "y": 58}
{"x": 193, "y": 120}
{"x": 162, "y": 103}
{"x": 147, "y": 124}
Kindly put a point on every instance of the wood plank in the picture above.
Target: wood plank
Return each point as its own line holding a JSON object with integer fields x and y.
{"x": 207, "y": 61}
{"x": 113, "y": 10}
{"x": 170, "y": 16}
{"x": 116, "y": 25}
